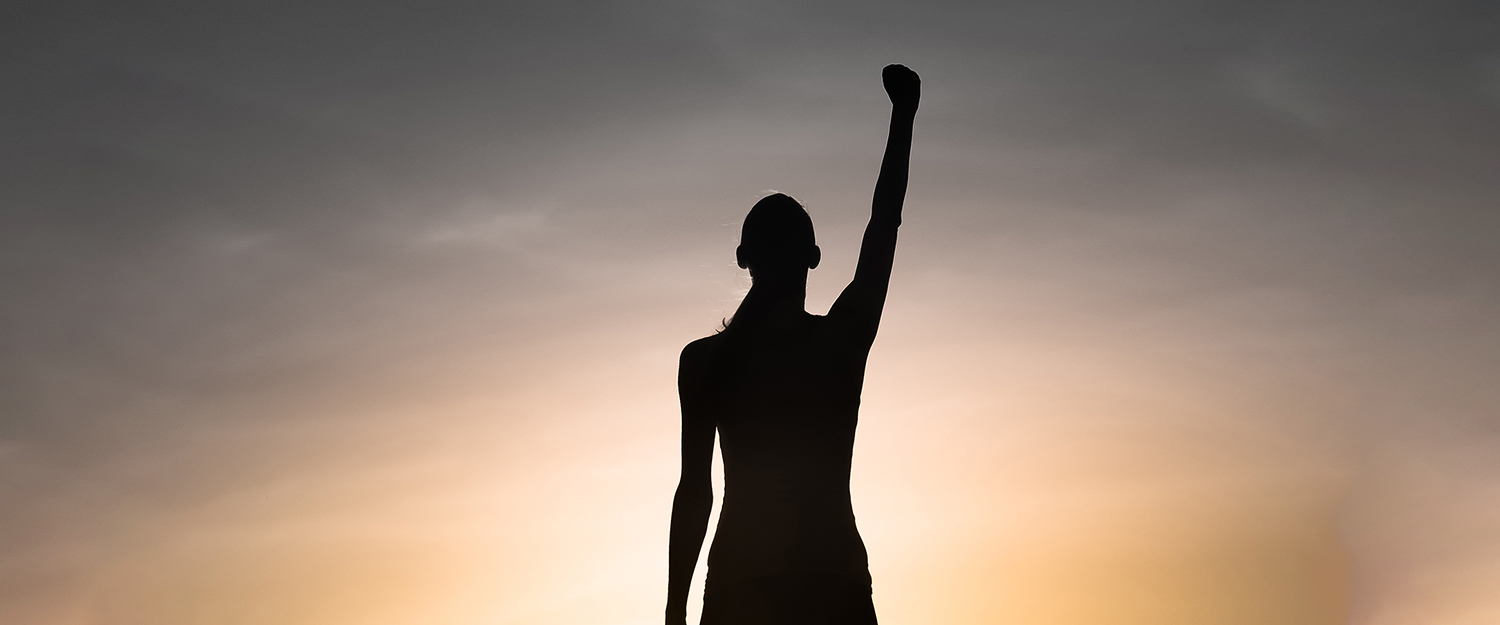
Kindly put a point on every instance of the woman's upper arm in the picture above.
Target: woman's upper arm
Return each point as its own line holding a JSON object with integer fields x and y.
{"x": 697, "y": 422}
{"x": 860, "y": 305}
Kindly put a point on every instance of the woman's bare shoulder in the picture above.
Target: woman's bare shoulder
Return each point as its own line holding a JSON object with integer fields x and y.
{"x": 698, "y": 351}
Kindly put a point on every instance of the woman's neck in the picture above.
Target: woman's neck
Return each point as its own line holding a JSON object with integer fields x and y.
{"x": 774, "y": 301}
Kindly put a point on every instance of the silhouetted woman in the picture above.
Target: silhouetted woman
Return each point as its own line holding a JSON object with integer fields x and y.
{"x": 782, "y": 387}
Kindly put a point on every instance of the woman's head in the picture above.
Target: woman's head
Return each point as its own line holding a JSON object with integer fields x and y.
{"x": 777, "y": 237}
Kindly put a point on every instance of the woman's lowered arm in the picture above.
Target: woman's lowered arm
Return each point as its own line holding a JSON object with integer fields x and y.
{"x": 695, "y": 496}
{"x": 863, "y": 299}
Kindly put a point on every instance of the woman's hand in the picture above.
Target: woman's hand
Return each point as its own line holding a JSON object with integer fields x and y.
{"x": 903, "y": 86}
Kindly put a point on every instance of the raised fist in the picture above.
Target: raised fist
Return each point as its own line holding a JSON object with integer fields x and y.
{"x": 903, "y": 85}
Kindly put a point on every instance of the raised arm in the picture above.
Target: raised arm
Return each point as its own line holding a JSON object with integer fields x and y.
{"x": 695, "y": 495}
{"x": 861, "y": 302}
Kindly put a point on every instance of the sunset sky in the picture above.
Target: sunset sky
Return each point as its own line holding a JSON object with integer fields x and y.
{"x": 358, "y": 313}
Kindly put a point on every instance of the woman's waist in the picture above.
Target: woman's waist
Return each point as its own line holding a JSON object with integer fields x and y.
{"x": 747, "y": 550}
{"x": 787, "y": 526}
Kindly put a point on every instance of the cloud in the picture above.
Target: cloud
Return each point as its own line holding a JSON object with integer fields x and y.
{"x": 480, "y": 223}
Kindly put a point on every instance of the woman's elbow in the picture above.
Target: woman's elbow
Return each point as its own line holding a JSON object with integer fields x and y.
{"x": 693, "y": 488}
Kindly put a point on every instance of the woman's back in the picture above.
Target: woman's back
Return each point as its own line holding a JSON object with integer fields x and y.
{"x": 785, "y": 403}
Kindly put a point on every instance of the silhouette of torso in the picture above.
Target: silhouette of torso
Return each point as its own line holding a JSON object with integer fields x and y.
{"x": 785, "y": 401}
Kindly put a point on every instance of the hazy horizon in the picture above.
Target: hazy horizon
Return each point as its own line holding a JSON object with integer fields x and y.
{"x": 338, "y": 313}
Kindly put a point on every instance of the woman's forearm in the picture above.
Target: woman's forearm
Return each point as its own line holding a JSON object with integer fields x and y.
{"x": 690, "y": 511}
{"x": 890, "y": 187}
